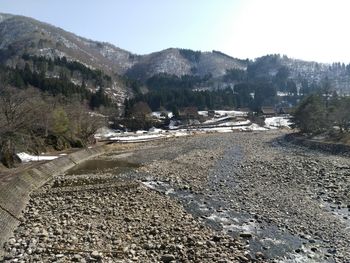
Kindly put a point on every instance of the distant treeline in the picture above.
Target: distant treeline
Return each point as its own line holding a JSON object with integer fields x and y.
{"x": 169, "y": 92}
{"x": 172, "y": 92}
{"x": 251, "y": 88}
{"x": 36, "y": 76}
{"x": 43, "y": 64}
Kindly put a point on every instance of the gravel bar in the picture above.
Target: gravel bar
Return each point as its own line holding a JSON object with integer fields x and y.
{"x": 237, "y": 197}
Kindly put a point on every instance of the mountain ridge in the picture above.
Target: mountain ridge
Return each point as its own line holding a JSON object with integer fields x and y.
{"x": 21, "y": 35}
{"x": 43, "y": 39}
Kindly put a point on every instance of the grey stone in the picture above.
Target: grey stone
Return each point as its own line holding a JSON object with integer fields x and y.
{"x": 167, "y": 258}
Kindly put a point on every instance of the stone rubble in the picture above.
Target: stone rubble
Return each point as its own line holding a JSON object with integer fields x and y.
{"x": 110, "y": 217}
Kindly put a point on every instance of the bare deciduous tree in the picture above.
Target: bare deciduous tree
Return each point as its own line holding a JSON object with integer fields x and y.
{"x": 16, "y": 117}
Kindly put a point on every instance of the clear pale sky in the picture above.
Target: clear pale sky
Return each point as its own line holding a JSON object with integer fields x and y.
{"x": 315, "y": 30}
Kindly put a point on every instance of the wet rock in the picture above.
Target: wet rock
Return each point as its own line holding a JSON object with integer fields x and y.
{"x": 167, "y": 258}
{"x": 246, "y": 235}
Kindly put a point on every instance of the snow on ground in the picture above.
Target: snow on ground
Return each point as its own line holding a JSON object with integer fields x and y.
{"x": 105, "y": 132}
{"x": 139, "y": 138}
{"x": 216, "y": 129}
{"x": 223, "y": 113}
{"x": 235, "y": 123}
{"x": 25, "y": 157}
{"x": 243, "y": 127}
{"x": 254, "y": 127}
{"x": 173, "y": 125}
{"x": 214, "y": 120}
{"x": 282, "y": 94}
{"x": 128, "y": 137}
{"x": 158, "y": 114}
{"x": 203, "y": 113}
{"x": 232, "y": 113}
{"x": 141, "y": 132}
{"x": 176, "y": 131}
{"x": 155, "y": 130}
{"x": 95, "y": 114}
{"x": 161, "y": 134}
{"x": 277, "y": 122}
{"x": 180, "y": 133}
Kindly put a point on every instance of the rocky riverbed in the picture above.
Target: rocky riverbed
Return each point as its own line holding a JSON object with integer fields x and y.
{"x": 238, "y": 197}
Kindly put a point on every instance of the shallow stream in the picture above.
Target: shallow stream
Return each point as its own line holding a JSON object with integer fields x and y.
{"x": 213, "y": 208}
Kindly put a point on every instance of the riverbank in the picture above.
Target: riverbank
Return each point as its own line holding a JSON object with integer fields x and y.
{"x": 16, "y": 185}
{"x": 236, "y": 197}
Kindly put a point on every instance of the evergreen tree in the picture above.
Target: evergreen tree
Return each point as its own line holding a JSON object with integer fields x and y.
{"x": 311, "y": 116}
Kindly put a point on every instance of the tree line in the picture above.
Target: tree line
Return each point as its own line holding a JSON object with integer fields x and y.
{"x": 173, "y": 92}
{"x": 40, "y": 111}
{"x": 321, "y": 113}
{"x": 34, "y": 121}
{"x": 61, "y": 85}
{"x": 42, "y": 64}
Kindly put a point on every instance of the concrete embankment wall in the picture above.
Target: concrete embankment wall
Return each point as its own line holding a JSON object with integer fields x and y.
{"x": 333, "y": 148}
{"x": 15, "y": 195}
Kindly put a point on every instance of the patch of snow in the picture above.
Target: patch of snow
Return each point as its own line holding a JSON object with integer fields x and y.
{"x": 105, "y": 132}
{"x": 140, "y": 138}
{"x": 173, "y": 125}
{"x": 203, "y": 113}
{"x": 76, "y": 82}
{"x": 221, "y": 114}
{"x": 299, "y": 258}
{"x": 254, "y": 127}
{"x": 180, "y": 133}
{"x": 220, "y": 129}
{"x": 154, "y": 134}
{"x": 159, "y": 114}
{"x": 25, "y": 157}
{"x": 235, "y": 123}
{"x": 155, "y": 130}
{"x": 218, "y": 218}
{"x": 282, "y": 94}
{"x": 214, "y": 120}
{"x": 159, "y": 185}
{"x": 232, "y": 225}
{"x": 232, "y": 113}
{"x": 141, "y": 132}
{"x": 274, "y": 241}
{"x": 277, "y": 122}
{"x": 150, "y": 184}
{"x": 96, "y": 114}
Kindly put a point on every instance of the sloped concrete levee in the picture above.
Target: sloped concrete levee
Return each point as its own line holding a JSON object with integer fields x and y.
{"x": 15, "y": 195}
